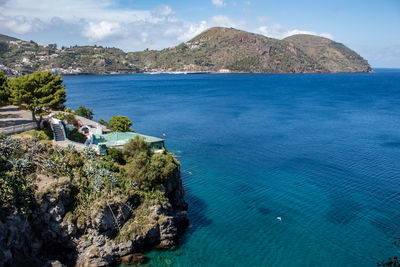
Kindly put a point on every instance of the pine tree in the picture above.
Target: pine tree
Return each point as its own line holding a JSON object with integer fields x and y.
{"x": 38, "y": 92}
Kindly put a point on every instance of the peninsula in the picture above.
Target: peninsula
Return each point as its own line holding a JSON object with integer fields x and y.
{"x": 216, "y": 50}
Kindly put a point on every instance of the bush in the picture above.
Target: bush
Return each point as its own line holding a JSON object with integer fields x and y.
{"x": 41, "y": 135}
{"x": 70, "y": 118}
{"x": 103, "y": 122}
{"x": 149, "y": 172}
{"x": 115, "y": 155}
{"x": 120, "y": 123}
{"x": 17, "y": 188}
{"x": 4, "y": 90}
{"x": 84, "y": 112}
{"x": 134, "y": 147}
{"x": 75, "y": 136}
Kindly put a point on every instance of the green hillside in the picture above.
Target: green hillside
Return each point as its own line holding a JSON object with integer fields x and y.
{"x": 215, "y": 50}
{"x": 333, "y": 56}
{"x": 5, "y": 38}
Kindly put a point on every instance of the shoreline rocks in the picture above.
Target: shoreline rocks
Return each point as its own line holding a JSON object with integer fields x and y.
{"x": 48, "y": 237}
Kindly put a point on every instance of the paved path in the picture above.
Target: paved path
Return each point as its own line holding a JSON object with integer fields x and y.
{"x": 11, "y": 116}
{"x": 67, "y": 142}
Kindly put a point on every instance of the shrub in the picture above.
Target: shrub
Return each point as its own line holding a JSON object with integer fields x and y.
{"x": 103, "y": 122}
{"x": 134, "y": 147}
{"x": 84, "y": 112}
{"x": 151, "y": 171}
{"x": 41, "y": 135}
{"x": 70, "y": 118}
{"x": 115, "y": 155}
{"x": 75, "y": 136}
{"x": 120, "y": 123}
{"x": 17, "y": 188}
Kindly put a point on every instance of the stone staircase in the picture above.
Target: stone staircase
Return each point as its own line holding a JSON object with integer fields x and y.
{"x": 58, "y": 133}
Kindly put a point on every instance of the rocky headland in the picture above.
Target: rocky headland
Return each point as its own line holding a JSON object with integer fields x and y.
{"x": 70, "y": 220}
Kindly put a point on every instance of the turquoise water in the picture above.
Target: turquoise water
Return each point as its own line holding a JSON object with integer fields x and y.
{"x": 322, "y": 151}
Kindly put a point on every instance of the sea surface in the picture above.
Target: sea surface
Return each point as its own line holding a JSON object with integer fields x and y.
{"x": 321, "y": 151}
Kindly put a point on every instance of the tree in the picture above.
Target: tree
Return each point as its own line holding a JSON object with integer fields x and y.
{"x": 84, "y": 112}
{"x": 4, "y": 91}
{"x": 103, "y": 122}
{"x": 38, "y": 92}
{"x": 52, "y": 46}
{"x": 120, "y": 123}
{"x": 134, "y": 147}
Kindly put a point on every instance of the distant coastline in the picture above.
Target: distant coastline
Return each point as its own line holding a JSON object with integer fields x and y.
{"x": 216, "y": 50}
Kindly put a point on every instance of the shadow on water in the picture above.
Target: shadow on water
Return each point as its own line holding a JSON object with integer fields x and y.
{"x": 197, "y": 216}
{"x": 340, "y": 185}
{"x": 264, "y": 210}
{"x": 391, "y": 144}
{"x": 343, "y": 209}
{"x": 253, "y": 199}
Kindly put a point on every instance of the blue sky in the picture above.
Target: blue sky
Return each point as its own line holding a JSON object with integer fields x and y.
{"x": 371, "y": 28}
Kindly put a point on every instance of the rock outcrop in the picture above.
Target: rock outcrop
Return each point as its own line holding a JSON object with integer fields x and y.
{"x": 47, "y": 236}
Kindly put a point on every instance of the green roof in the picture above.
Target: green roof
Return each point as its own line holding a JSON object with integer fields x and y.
{"x": 121, "y": 138}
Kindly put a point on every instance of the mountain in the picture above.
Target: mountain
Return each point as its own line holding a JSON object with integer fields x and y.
{"x": 217, "y": 49}
{"x": 5, "y": 38}
{"x": 333, "y": 56}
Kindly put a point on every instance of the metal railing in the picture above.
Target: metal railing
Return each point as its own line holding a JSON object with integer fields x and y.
{"x": 18, "y": 128}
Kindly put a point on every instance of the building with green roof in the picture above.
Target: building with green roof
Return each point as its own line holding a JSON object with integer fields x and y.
{"x": 119, "y": 139}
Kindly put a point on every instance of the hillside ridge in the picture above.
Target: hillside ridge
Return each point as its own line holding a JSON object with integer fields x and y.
{"x": 216, "y": 49}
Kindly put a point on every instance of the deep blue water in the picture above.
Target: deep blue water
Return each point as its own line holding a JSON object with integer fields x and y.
{"x": 322, "y": 151}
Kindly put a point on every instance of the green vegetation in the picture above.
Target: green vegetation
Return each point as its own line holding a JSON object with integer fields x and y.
{"x": 246, "y": 64}
{"x": 5, "y": 38}
{"x": 37, "y": 134}
{"x": 75, "y": 136}
{"x": 17, "y": 173}
{"x": 120, "y": 123}
{"x": 4, "y": 91}
{"x": 115, "y": 155}
{"x": 70, "y": 118}
{"x": 104, "y": 122}
{"x": 134, "y": 174}
{"x": 38, "y": 92}
{"x": 84, "y": 112}
{"x": 321, "y": 50}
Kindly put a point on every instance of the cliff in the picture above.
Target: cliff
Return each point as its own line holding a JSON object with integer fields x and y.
{"x": 215, "y": 50}
{"x": 73, "y": 217}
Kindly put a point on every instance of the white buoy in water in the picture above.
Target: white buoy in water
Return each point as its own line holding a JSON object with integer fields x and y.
{"x": 279, "y": 218}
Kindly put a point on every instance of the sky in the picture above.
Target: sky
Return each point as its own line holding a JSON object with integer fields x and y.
{"x": 369, "y": 27}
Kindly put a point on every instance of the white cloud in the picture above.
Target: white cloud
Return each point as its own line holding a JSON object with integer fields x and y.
{"x": 218, "y": 3}
{"x": 192, "y": 30}
{"x": 102, "y": 22}
{"x": 102, "y": 30}
{"x": 223, "y": 21}
{"x": 96, "y": 21}
{"x": 21, "y": 24}
{"x": 278, "y": 31}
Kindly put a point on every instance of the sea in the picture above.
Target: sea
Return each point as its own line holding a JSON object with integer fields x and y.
{"x": 279, "y": 169}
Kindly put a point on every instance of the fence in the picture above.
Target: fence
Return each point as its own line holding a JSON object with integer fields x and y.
{"x": 18, "y": 128}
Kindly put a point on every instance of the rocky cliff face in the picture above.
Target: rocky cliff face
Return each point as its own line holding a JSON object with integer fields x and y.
{"x": 47, "y": 235}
